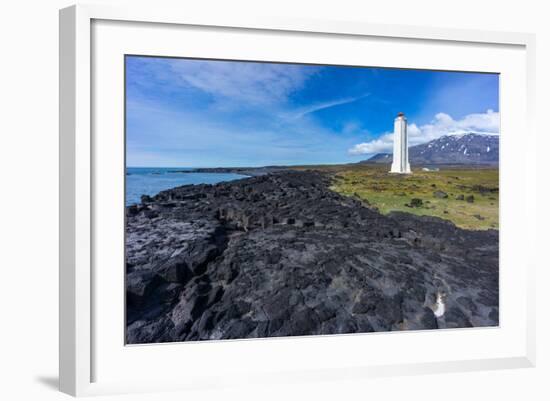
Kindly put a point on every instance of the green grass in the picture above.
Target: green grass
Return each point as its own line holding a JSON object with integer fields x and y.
{"x": 393, "y": 192}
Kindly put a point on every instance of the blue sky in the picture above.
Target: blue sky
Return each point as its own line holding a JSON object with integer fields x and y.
{"x": 205, "y": 113}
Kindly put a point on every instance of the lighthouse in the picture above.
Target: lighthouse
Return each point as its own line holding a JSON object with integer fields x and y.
{"x": 400, "y": 162}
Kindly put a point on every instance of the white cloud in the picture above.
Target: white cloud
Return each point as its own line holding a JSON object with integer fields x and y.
{"x": 380, "y": 145}
{"x": 186, "y": 138}
{"x": 326, "y": 105}
{"x": 255, "y": 84}
{"x": 250, "y": 82}
{"x": 442, "y": 124}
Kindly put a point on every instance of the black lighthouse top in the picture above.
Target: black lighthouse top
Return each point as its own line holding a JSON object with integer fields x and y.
{"x": 400, "y": 114}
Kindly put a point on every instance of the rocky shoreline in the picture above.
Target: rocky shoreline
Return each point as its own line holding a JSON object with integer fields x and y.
{"x": 249, "y": 171}
{"x": 281, "y": 254}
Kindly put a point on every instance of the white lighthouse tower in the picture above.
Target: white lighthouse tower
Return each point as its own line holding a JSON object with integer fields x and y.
{"x": 400, "y": 162}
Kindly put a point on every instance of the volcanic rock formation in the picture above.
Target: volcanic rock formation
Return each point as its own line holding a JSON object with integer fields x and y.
{"x": 281, "y": 254}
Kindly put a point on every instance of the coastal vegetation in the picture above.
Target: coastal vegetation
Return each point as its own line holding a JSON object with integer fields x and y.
{"x": 467, "y": 196}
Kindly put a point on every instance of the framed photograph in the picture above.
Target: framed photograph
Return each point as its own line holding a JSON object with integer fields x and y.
{"x": 277, "y": 200}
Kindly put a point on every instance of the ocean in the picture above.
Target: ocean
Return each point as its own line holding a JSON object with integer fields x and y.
{"x": 151, "y": 180}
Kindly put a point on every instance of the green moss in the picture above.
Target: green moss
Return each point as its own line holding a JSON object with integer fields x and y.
{"x": 393, "y": 192}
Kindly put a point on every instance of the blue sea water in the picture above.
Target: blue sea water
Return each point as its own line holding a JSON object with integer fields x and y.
{"x": 151, "y": 180}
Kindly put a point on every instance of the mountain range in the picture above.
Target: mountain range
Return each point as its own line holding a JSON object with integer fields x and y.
{"x": 470, "y": 148}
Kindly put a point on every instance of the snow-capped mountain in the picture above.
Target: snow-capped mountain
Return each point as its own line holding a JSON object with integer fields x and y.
{"x": 467, "y": 148}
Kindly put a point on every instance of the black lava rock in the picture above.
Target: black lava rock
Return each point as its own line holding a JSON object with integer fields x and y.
{"x": 416, "y": 202}
{"x": 281, "y": 254}
{"x": 441, "y": 194}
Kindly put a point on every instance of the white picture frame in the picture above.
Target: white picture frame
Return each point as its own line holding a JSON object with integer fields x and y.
{"x": 78, "y": 225}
